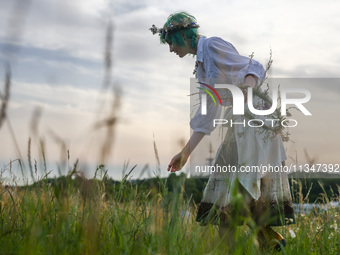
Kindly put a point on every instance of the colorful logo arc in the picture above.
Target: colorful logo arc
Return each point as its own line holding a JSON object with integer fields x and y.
{"x": 212, "y": 89}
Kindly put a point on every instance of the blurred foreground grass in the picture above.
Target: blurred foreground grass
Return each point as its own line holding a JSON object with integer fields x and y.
{"x": 73, "y": 215}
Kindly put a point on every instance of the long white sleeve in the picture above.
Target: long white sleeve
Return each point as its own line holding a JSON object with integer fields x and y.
{"x": 204, "y": 123}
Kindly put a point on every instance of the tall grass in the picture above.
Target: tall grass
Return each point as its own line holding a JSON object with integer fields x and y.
{"x": 79, "y": 216}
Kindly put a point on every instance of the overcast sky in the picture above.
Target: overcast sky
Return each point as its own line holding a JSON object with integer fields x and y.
{"x": 55, "y": 49}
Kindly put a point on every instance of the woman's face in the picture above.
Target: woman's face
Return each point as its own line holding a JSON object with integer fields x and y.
{"x": 181, "y": 51}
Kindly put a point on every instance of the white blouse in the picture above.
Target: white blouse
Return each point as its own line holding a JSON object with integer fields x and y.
{"x": 218, "y": 59}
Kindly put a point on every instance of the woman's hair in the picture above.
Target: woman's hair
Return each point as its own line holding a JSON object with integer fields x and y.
{"x": 176, "y": 36}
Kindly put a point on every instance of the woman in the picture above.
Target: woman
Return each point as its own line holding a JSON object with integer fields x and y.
{"x": 264, "y": 197}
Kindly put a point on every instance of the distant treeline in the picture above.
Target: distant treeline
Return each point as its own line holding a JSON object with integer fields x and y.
{"x": 306, "y": 190}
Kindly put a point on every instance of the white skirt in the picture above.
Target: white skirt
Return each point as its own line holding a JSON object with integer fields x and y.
{"x": 232, "y": 197}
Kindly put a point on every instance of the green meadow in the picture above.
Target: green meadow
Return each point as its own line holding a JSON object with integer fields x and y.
{"x": 75, "y": 215}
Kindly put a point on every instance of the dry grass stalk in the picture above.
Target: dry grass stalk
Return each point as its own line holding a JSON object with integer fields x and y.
{"x": 5, "y": 97}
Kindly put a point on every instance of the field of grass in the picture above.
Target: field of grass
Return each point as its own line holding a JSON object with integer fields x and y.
{"x": 79, "y": 216}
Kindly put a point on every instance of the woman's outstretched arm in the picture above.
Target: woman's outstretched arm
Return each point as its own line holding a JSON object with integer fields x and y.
{"x": 179, "y": 160}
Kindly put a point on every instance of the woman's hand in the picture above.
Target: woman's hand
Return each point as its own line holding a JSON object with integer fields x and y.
{"x": 181, "y": 158}
{"x": 249, "y": 81}
{"x": 178, "y": 162}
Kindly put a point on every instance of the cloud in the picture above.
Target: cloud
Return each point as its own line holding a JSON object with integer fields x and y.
{"x": 55, "y": 67}
{"x": 59, "y": 62}
{"x": 70, "y": 26}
